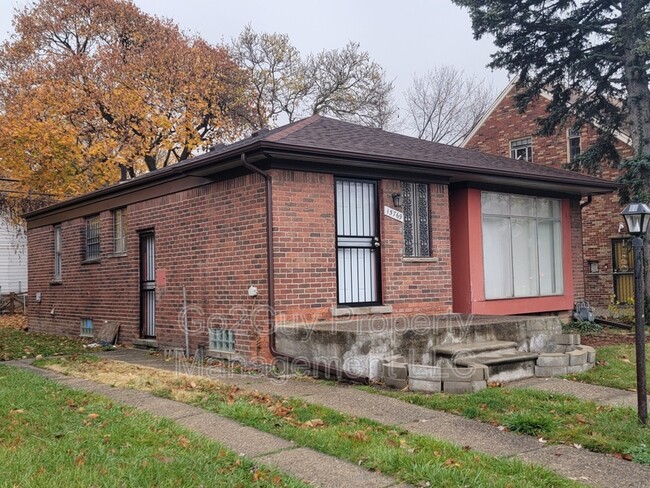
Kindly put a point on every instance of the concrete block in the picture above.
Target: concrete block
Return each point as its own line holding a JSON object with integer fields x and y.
{"x": 481, "y": 371}
{"x": 394, "y": 383}
{"x": 577, "y": 357}
{"x": 548, "y": 371}
{"x": 395, "y": 371}
{"x": 591, "y": 353}
{"x": 568, "y": 339}
{"x": 463, "y": 386}
{"x": 425, "y": 386}
{"x": 579, "y": 369}
{"x": 422, "y": 372}
{"x": 474, "y": 373}
{"x": 552, "y": 359}
{"x": 558, "y": 349}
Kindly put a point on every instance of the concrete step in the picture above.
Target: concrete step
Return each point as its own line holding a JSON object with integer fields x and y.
{"x": 472, "y": 348}
{"x": 504, "y": 366}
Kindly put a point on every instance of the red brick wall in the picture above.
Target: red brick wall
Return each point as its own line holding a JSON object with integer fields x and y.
{"x": 210, "y": 239}
{"x": 305, "y": 251}
{"x": 600, "y": 219}
{"x": 417, "y": 285}
{"x": 305, "y": 255}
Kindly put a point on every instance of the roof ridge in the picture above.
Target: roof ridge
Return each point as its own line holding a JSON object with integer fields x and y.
{"x": 281, "y": 134}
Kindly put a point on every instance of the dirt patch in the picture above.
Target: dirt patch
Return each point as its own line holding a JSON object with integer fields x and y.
{"x": 13, "y": 322}
{"x": 608, "y": 337}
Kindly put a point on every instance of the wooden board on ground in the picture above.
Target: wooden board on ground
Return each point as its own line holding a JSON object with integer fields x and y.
{"x": 108, "y": 332}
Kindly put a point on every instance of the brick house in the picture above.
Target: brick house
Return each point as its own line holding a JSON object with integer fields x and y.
{"x": 359, "y": 222}
{"x": 607, "y": 257}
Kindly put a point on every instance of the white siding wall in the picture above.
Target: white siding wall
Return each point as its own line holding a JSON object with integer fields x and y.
{"x": 13, "y": 258}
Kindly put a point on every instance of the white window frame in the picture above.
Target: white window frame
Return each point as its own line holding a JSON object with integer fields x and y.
{"x": 524, "y": 144}
{"x": 556, "y": 271}
{"x": 58, "y": 258}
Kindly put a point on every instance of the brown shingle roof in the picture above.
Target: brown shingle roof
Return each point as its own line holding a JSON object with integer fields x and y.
{"x": 366, "y": 149}
{"x": 319, "y": 133}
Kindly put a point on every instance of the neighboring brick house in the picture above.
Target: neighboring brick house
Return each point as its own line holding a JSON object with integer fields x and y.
{"x": 341, "y": 241}
{"x": 607, "y": 259}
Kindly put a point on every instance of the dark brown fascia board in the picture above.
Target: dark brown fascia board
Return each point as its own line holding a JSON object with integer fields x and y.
{"x": 444, "y": 172}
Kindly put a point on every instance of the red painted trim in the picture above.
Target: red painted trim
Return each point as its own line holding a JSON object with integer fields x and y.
{"x": 467, "y": 263}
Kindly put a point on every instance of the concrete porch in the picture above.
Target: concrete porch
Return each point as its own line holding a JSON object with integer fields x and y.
{"x": 358, "y": 345}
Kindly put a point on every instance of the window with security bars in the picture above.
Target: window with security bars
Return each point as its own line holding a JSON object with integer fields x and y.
{"x": 222, "y": 340}
{"x": 86, "y": 327}
{"x": 522, "y": 149}
{"x": 415, "y": 206}
{"x": 92, "y": 238}
{"x": 119, "y": 231}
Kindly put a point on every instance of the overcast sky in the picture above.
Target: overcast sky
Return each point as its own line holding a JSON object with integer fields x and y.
{"x": 407, "y": 37}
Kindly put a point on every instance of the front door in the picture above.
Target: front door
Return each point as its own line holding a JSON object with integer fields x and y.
{"x": 357, "y": 242}
{"x": 147, "y": 285}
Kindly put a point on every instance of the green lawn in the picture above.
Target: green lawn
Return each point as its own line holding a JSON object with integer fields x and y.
{"x": 615, "y": 367}
{"x": 17, "y": 344}
{"x": 51, "y": 435}
{"x": 557, "y": 418}
{"x": 420, "y": 460}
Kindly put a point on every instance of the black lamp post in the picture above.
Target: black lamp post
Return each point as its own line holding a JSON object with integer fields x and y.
{"x": 637, "y": 217}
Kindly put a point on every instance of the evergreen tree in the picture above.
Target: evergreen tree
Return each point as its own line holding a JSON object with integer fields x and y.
{"x": 593, "y": 57}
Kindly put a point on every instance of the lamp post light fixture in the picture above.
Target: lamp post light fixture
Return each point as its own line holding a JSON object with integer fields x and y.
{"x": 637, "y": 217}
{"x": 397, "y": 199}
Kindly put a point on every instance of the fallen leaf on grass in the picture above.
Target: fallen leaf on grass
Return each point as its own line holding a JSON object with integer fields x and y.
{"x": 80, "y": 460}
{"x": 452, "y": 463}
{"x": 314, "y": 423}
{"x": 93, "y": 416}
{"x": 184, "y": 442}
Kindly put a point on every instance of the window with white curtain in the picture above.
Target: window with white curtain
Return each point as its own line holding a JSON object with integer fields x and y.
{"x": 522, "y": 246}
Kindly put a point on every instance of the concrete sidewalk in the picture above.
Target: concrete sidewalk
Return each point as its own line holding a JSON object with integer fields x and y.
{"x": 602, "y": 395}
{"x": 588, "y": 467}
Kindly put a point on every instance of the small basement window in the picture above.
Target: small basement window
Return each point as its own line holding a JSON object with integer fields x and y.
{"x": 222, "y": 340}
{"x": 86, "y": 327}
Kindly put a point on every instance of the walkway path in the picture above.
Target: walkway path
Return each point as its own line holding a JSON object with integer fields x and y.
{"x": 599, "y": 394}
{"x": 589, "y": 467}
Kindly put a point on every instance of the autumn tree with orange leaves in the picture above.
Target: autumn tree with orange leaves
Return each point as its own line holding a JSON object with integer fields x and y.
{"x": 88, "y": 85}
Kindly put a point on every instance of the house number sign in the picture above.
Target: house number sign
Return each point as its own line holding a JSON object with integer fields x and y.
{"x": 393, "y": 214}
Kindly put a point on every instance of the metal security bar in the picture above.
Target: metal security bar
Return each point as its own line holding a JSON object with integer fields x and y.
{"x": 147, "y": 285}
{"x": 357, "y": 241}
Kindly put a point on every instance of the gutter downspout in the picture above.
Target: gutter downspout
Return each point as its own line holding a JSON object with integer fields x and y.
{"x": 587, "y": 203}
{"x": 271, "y": 285}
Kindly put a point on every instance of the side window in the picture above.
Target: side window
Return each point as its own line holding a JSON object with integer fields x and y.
{"x": 119, "y": 231}
{"x": 92, "y": 238}
{"x": 58, "y": 244}
{"x": 415, "y": 197}
{"x": 573, "y": 136}
{"x": 522, "y": 149}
